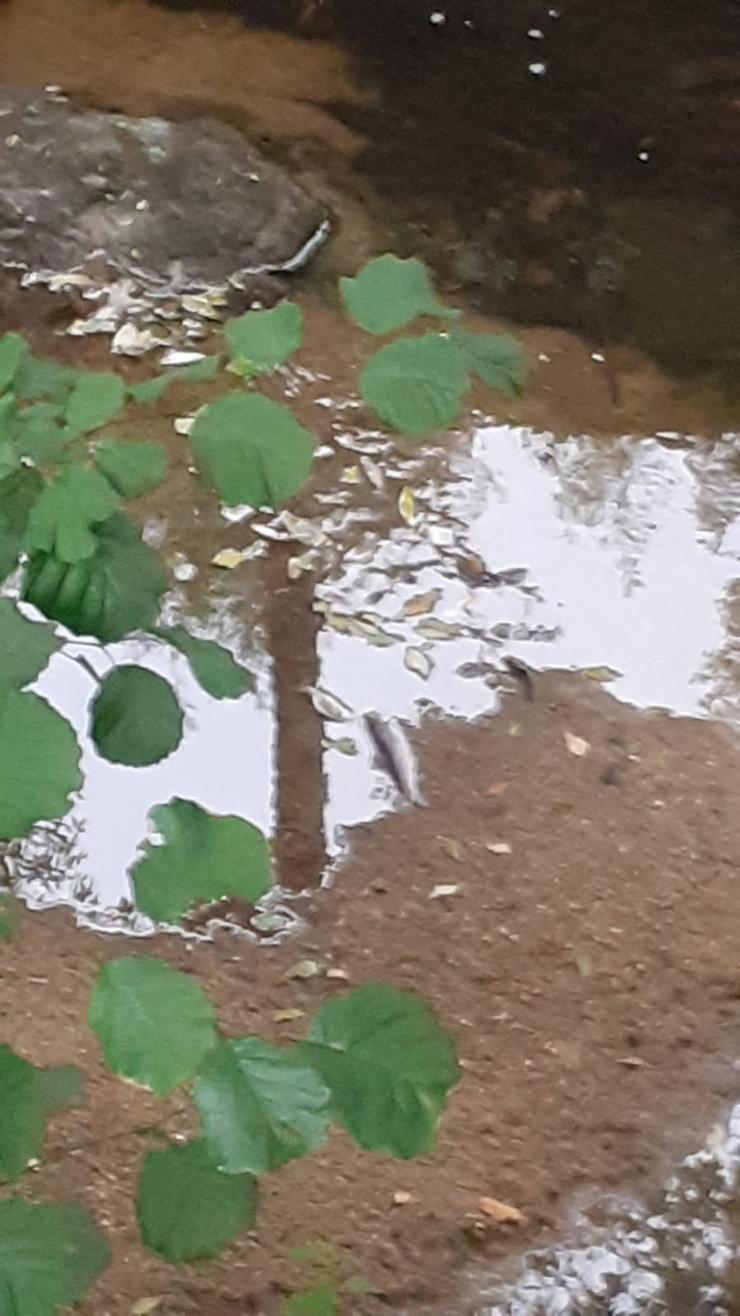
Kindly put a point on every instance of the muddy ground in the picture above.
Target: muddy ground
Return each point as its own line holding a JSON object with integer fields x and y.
{"x": 589, "y": 976}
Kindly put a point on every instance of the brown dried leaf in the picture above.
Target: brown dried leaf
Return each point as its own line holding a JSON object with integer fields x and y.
{"x": 501, "y": 1212}
{"x": 421, "y": 603}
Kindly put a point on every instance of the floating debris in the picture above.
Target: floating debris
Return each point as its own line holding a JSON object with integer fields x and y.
{"x": 328, "y": 705}
{"x": 418, "y": 662}
{"x": 396, "y": 755}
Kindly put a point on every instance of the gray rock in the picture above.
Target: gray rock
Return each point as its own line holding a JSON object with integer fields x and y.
{"x": 185, "y": 204}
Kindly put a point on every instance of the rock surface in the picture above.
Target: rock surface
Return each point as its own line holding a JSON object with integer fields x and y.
{"x": 186, "y": 204}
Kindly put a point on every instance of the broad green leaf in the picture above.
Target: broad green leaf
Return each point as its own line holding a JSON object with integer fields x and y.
{"x": 154, "y": 1024}
{"x": 9, "y": 460}
{"x": 388, "y": 1065}
{"x": 115, "y": 591}
{"x": 251, "y": 450}
{"x": 132, "y": 468}
{"x": 151, "y": 390}
{"x": 22, "y": 1116}
{"x": 389, "y": 293}
{"x": 262, "y": 340}
{"x": 37, "y": 378}
{"x": 39, "y": 763}
{"x": 202, "y": 858}
{"x": 49, "y": 1257}
{"x": 260, "y": 1105}
{"x": 62, "y": 518}
{"x": 10, "y": 915}
{"x": 497, "y": 359}
{"x": 319, "y": 1301}
{"x": 25, "y": 646}
{"x": 416, "y": 384}
{"x": 97, "y": 396}
{"x": 60, "y": 1087}
{"x": 213, "y": 667}
{"x": 189, "y": 1209}
{"x": 136, "y": 718}
{"x": 18, "y": 493}
{"x": 12, "y": 351}
{"x": 38, "y": 433}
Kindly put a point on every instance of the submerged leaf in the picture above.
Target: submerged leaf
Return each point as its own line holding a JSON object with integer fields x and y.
{"x": 154, "y": 1024}
{"x": 389, "y": 292}
{"x": 39, "y": 763}
{"x": 202, "y": 858}
{"x": 135, "y": 717}
{"x": 251, "y": 450}
{"x": 260, "y": 1105}
{"x": 416, "y": 384}
{"x": 497, "y": 359}
{"x": 187, "y": 1208}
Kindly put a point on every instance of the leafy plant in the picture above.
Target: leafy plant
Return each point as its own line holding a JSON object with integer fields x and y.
{"x": 375, "y": 1061}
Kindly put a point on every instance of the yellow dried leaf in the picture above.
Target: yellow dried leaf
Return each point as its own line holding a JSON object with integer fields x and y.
{"x": 227, "y": 558}
{"x": 401, "y": 1197}
{"x": 288, "y": 1016}
{"x": 501, "y": 1212}
{"x": 407, "y": 504}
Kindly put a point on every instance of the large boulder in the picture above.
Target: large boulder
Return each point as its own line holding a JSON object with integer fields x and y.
{"x": 188, "y": 204}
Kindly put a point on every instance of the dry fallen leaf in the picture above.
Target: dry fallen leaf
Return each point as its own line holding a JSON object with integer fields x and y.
{"x": 576, "y": 744}
{"x": 228, "y": 558}
{"x": 601, "y": 674}
{"x": 418, "y": 662}
{"x": 338, "y": 973}
{"x": 288, "y": 1016}
{"x": 515, "y": 729}
{"x": 497, "y": 789}
{"x": 632, "y": 1062}
{"x": 501, "y": 1212}
{"x": 444, "y": 889}
{"x": 421, "y": 603}
{"x": 452, "y": 847}
{"x": 401, "y": 1197}
{"x": 144, "y": 1306}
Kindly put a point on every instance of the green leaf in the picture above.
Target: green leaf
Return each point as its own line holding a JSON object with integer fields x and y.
{"x": 151, "y": 390}
{"x": 36, "y": 378}
{"x": 25, "y": 646}
{"x": 22, "y": 1116}
{"x": 49, "y": 1257}
{"x": 136, "y": 718}
{"x": 60, "y": 1087}
{"x": 132, "y": 468}
{"x": 319, "y": 1301}
{"x": 388, "y": 1065}
{"x": 415, "y": 384}
{"x": 38, "y": 433}
{"x": 213, "y": 667}
{"x": 154, "y": 1024}
{"x": 497, "y": 359}
{"x": 203, "y": 858}
{"x": 97, "y": 396}
{"x": 12, "y": 351}
{"x": 10, "y": 916}
{"x": 62, "y": 518}
{"x": 262, "y": 340}
{"x": 260, "y": 1105}
{"x": 115, "y": 591}
{"x": 18, "y": 493}
{"x": 39, "y": 763}
{"x": 187, "y": 1208}
{"x": 251, "y": 450}
{"x": 389, "y": 293}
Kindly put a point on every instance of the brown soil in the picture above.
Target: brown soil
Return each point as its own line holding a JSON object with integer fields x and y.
{"x": 589, "y": 979}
